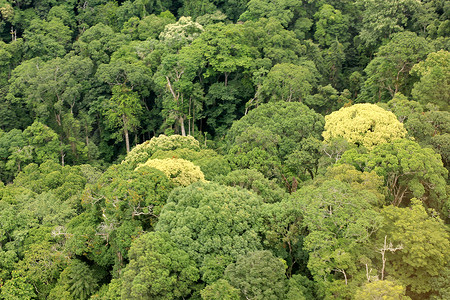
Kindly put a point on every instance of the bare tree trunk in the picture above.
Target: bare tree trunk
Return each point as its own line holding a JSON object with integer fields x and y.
{"x": 127, "y": 139}
{"x": 183, "y": 130}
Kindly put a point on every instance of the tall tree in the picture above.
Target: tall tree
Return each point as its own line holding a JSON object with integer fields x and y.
{"x": 122, "y": 111}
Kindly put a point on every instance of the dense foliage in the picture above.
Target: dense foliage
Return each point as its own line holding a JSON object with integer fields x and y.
{"x": 238, "y": 149}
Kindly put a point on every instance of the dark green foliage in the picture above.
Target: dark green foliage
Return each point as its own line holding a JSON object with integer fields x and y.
{"x": 258, "y": 275}
{"x": 279, "y": 139}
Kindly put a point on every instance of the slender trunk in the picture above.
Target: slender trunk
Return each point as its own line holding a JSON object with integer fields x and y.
{"x": 189, "y": 119}
{"x": 127, "y": 139}
{"x": 62, "y": 154}
{"x": 183, "y": 130}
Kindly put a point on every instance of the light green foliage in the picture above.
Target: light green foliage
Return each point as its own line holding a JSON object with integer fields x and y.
{"x": 179, "y": 171}
{"x": 340, "y": 221}
{"x": 210, "y": 163}
{"x": 17, "y": 289}
{"x": 44, "y": 142}
{"x": 143, "y": 152}
{"x": 288, "y": 82}
{"x": 258, "y": 275}
{"x": 181, "y": 33}
{"x": 388, "y": 72}
{"x": 434, "y": 84}
{"x": 208, "y": 221}
{"x": 220, "y": 290}
{"x": 158, "y": 269}
{"x": 41, "y": 266}
{"x": 382, "y": 289}
{"x": 365, "y": 125}
{"x": 369, "y": 181}
{"x": 254, "y": 181}
{"x": 277, "y": 139}
{"x": 425, "y": 242}
{"x": 408, "y": 170}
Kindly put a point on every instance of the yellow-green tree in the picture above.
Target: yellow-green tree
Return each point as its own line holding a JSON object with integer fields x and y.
{"x": 180, "y": 171}
{"x": 365, "y": 125}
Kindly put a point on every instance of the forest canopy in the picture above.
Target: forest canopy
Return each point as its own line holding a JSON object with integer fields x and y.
{"x": 235, "y": 149}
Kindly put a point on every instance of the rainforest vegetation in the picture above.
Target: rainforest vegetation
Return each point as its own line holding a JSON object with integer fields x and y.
{"x": 224, "y": 149}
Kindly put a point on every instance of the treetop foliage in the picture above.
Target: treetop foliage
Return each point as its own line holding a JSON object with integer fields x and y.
{"x": 233, "y": 149}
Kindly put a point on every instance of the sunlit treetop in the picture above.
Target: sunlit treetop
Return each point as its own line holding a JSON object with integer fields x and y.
{"x": 365, "y": 125}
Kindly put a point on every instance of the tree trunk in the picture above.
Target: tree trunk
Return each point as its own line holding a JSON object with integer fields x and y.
{"x": 183, "y": 130}
{"x": 127, "y": 139}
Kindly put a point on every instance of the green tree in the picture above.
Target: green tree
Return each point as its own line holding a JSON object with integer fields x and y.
{"x": 408, "y": 170}
{"x": 122, "y": 111}
{"x": 288, "y": 82}
{"x": 382, "y": 289}
{"x": 278, "y": 139}
{"x": 210, "y": 221}
{"x": 340, "y": 221}
{"x": 434, "y": 84}
{"x": 258, "y": 275}
{"x": 158, "y": 269}
{"x": 424, "y": 240}
{"x": 220, "y": 290}
{"x": 331, "y": 25}
{"x": 388, "y": 72}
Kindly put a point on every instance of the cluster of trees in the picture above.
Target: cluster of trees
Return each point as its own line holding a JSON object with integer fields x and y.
{"x": 241, "y": 149}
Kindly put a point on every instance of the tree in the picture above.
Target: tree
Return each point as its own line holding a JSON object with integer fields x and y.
{"x": 382, "y": 289}
{"x": 425, "y": 242}
{"x": 388, "y": 72}
{"x": 212, "y": 223}
{"x": 220, "y": 290}
{"x": 380, "y": 20}
{"x": 99, "y": 42}
{"x": 331, "y": 25}
{"x": 143, "y": 152}
{"x": 288, "y": 82}
{"x": 280, "y": 140}
{"x": 254, "y": 181}
{"x": 179, "y": 171}
{"x": 408, "y": 170}
{"x": 282, "y": 10}
{"x": 158, "y": 269}
{"x": 434, "y": 84}
{"x": 258, "y": 275}
{"x": 365, "y": 125}
{"x": 340, "y": 221}
{"x": 122, "y": 110}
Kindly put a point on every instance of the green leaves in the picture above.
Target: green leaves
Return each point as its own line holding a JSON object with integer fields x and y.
{"x": 158, "y": 269}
